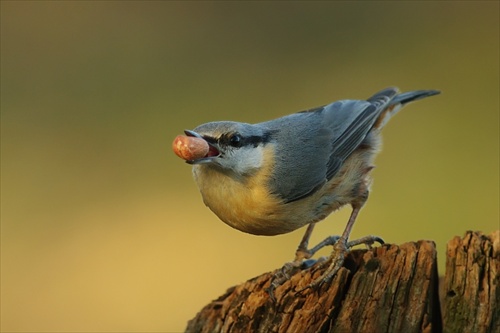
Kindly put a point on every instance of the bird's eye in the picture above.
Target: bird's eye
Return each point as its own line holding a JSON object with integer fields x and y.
{"x": 235, "y": 140}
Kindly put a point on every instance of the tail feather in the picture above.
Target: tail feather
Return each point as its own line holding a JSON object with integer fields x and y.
{"x": 413, "y": 96}
{"x": 398, "y": 102}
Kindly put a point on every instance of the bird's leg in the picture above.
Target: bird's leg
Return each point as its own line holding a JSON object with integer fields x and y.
{"x": 302, "y": 251}
{"x": 289, "y": 268}
{"x": 342, "y": 246}
{"x": 301, "y": 258}
{"x": 339, "y": 253}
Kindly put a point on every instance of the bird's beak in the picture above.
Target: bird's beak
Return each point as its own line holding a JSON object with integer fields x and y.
{"x": 213, "y": 150}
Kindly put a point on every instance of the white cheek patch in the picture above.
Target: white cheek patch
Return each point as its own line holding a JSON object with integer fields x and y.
{"x": 247, "y": 159}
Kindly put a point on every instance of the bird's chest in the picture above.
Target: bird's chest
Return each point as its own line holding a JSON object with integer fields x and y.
{"x": 242, "y": 203}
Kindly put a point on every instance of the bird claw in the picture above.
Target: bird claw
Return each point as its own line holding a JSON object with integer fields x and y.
{"x": 368, "y": 241}
{"x": 340, "y": 251}
{"x": 337, "y": 258}
{"x": 282, "y": 275}
{"x": 341, "y": 247}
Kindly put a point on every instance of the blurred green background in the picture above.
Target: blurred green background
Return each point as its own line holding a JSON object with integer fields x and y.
{"x": 102, "y": 226}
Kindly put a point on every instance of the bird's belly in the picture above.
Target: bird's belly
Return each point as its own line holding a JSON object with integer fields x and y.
{"x": 252, "y": 209}
{"x": 246, "y": 207}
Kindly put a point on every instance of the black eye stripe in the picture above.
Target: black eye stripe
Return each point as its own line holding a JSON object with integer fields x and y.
{"x": 255, "y": 140}
{"x": 237, "y": 140}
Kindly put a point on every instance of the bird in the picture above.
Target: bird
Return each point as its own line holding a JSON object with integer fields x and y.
{"x": 274, "y": 177}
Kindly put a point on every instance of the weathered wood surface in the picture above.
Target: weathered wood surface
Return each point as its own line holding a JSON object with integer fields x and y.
{"x": 387, "y": 289}
{"x": 472, "y": 284}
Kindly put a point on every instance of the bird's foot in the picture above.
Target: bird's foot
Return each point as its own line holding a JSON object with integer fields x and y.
{"x": 302, "y": 261}
{"x": 282, "y": 275}
{"x": 340, "y": 250}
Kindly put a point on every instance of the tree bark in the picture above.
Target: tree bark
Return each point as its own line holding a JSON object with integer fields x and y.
{"x": 386, "y": 289}
{"x": 471, "y": 285}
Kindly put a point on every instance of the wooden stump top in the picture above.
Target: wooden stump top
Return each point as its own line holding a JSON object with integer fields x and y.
{"x": 386, "y": 289}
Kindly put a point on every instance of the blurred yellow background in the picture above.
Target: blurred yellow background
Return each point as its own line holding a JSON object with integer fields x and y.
{"x": 103, "y": 228}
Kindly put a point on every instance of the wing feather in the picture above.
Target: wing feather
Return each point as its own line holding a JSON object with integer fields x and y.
{"x": 319, "y": 141}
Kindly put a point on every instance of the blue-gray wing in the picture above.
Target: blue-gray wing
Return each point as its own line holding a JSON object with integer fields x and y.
{"x": 314, "y": 144}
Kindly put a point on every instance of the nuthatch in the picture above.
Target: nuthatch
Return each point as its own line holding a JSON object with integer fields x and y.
{"x": 274, "y": 177}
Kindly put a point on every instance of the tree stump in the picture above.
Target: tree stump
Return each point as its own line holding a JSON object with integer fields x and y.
{"x": 386, "y": 289}
{"x": 471, "y": 284}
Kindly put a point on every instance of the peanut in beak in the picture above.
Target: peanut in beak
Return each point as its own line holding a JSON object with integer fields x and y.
{"x": 190, "y": 148}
